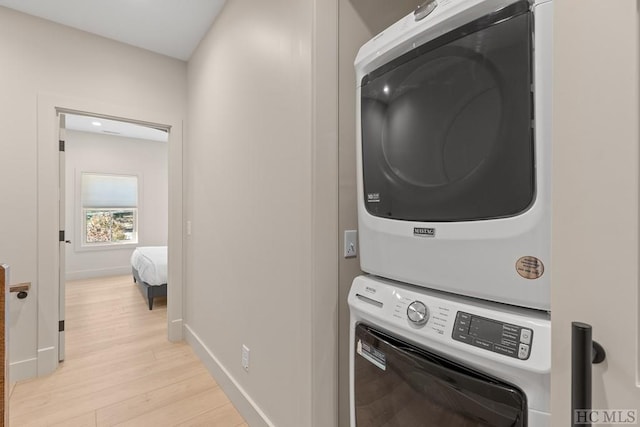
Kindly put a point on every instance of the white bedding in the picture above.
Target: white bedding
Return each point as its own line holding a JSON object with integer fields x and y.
{"x": 151, "y": 264}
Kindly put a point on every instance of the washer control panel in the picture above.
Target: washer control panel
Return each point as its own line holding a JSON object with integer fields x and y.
{"x": 498, "y": 337}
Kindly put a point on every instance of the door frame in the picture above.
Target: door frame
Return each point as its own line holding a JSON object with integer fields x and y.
{"x": 46, "y": 289}
{"x": 62, "y": 213}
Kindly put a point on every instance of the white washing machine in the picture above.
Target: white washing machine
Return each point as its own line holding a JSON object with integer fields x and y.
{"x": 423, "y": 357}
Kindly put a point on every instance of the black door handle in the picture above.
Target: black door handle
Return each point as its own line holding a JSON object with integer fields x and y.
{"x": 584, "y": 353}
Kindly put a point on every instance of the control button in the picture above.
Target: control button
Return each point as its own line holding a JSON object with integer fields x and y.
{"x": 504, "y": 350}
{"x": 464, "y": 316}
{"x": 508, "y": 343}
{"x": 418, "y": 313}
{"x": 461, "y": 330}
{"x": 462, "y": 337}
{"x": 510, "y": 328}
{"x": 482, "y": 344}
{"x": 510, "y": 336}
{"x": 424, "y": 9}
{"x": 523, "y": 351}
{"x": 525, "y": 336}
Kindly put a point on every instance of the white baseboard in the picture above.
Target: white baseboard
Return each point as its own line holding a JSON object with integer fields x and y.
{"x": 249, "y": 410}
{"x": 47, "y": 360}
{"x": 175, "y": 330}
{"x": 98, "y": 272}
{"x": 23, "y": 370}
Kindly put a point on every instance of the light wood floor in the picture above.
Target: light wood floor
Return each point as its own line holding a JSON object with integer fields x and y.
{"x": 120, "y": 369}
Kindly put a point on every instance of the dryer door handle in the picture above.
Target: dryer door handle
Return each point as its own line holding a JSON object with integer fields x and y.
{"x": 584, "y": 353}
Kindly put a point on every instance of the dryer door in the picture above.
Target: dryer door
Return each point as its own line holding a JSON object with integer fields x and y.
{"x": 397, "y": 384}
{"x": 447, "y": 127}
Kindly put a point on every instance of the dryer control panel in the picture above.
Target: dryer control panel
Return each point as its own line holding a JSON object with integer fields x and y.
{"x": 498, "y": 337}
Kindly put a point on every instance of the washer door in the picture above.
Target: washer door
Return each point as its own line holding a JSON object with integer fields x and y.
{"x": 397, "y": 384}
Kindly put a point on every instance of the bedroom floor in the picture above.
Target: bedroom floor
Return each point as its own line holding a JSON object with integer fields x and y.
{"x": 120, "y": 369}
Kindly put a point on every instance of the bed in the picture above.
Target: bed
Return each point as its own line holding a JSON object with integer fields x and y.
{"x": 149, "y": 267}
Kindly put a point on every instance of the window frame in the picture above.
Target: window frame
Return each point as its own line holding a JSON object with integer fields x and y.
{"x": 82, "y": 244}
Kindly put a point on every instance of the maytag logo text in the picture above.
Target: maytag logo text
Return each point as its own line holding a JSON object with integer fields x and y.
{"x": 424, "y": 232}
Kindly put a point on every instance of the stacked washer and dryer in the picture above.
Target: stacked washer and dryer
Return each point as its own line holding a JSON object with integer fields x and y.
{"x": 451, "y": 324}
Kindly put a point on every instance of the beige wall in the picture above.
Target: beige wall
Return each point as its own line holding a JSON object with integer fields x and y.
{"x": 596, "y": 238}
{"x": 359, "y": 20}
{"x": 41, "y": 57}
{"x": 262, "y": 191}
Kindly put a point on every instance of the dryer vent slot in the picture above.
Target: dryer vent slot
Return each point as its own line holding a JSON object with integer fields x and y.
{"x": 369, "y": 300}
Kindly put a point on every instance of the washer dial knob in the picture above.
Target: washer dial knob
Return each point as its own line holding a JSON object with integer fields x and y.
{"x": 418, "y": 313}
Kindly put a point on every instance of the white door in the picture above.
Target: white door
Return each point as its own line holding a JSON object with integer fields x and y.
{"x": 595, "y": 202}
{"x": 62, "y": 235}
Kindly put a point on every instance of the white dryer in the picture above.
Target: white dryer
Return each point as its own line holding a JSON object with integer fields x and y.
{"x": 423, "y": 357}
{"x": 454, "y": 149}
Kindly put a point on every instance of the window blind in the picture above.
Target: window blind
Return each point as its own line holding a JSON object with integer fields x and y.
{"x": 109, "y": 191}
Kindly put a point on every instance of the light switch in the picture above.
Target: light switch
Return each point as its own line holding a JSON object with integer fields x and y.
{"x": 350, "y": 243}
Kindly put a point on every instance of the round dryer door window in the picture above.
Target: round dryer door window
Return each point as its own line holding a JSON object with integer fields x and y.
{"x": 447, "y": 127}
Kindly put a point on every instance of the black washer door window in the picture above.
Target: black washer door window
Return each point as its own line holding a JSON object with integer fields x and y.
{"x": 419, "y": 388}
{"x": 447, "y": 128}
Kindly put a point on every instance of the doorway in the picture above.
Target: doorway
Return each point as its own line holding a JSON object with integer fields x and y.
{"x": 114, "y": 199}
{"x": 48, "y": 291}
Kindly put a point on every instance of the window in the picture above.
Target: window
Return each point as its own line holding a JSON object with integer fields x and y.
{"x": 109, "y": 209}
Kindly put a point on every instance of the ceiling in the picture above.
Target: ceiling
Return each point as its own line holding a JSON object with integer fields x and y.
{"x": 113, "y": 127}
{"x": 169, "y": 27}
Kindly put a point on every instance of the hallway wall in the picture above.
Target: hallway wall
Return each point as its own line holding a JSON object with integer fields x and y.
{"x": 262, "y": 202}
{"x": 43, "y": 58}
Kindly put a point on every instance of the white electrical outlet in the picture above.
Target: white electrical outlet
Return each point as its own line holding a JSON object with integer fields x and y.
{"x": 245, "y": 357}
{"x": 350, "y": 243}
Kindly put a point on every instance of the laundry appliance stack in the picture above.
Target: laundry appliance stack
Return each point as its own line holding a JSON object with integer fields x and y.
{"x": 451, "y": 320}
